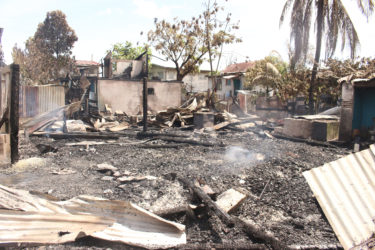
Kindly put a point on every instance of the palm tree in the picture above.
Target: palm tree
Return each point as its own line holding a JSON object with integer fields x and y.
{"x": 332, "y": 23}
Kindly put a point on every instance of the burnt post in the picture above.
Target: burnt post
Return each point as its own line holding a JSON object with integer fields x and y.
{"x": 14, "y": 112}
{"x": 145, "y": 94}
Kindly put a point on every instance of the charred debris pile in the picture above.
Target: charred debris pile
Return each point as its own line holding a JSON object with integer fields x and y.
{"x": 190, "y": 203}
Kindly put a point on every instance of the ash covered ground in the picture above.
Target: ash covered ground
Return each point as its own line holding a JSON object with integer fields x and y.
{"x": 286, "y": 208}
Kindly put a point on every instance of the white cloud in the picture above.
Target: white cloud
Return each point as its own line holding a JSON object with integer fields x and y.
{"x": 111, "y": 11}
{"x": 149, "y": 9}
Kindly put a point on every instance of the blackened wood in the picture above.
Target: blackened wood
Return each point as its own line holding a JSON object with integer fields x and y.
{"x": 5, "y": 117}
{"x": 252, "y": 230}
{"x": 145, "y": 104}
{"x": 188, "y": 141}
{"x": 78, "y": 136}
{"x": 224, "y": 216}
{"x": 14, "y": 112}
{"x": 231, "y": 245}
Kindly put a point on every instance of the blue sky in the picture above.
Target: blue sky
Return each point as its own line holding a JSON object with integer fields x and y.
{"x": 101, "y": 23}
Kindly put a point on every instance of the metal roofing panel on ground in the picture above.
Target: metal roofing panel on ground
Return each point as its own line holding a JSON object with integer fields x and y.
{"x": 345, "y": 189}
{"x": 29, "y": 218}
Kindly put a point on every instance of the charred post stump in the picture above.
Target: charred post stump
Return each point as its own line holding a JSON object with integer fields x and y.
{"x": 14, "y": 113}
{"x": 144, "y": 104}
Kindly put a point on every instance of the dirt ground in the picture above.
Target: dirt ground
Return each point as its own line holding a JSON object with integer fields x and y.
{"x": 286, "y": 208}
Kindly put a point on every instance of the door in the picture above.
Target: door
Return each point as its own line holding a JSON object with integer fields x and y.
{"x": 237, "y": 85}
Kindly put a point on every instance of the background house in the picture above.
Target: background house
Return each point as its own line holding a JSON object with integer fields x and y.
{"x": 231, "y": 79}
{"x": 123, "y": 90}
{"x": 197, "y": 82}
{"x": 88, "y": 68}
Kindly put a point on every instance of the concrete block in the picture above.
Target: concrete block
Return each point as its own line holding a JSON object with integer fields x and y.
{"x": 325, "y": 130}
{"x": 203, "y": 120}
{"x": 300, "y": 128}
{"x": 4, "y": 149}
{"x": 230, "y": 200}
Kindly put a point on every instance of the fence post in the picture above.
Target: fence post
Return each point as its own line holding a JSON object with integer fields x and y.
{"x": 14, "y": 112}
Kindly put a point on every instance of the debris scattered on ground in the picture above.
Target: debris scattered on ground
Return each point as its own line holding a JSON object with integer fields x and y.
{"x": 135, "y": 178}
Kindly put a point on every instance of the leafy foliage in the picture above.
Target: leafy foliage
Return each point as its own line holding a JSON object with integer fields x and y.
{"x": 273, "y": 73}
{"x": 47, "y": 55}
{"x": 332, "y": 23}
{"x": 186, "y": 42}
{"x": 336, "y": 25}
{"x": 127, "y": 51}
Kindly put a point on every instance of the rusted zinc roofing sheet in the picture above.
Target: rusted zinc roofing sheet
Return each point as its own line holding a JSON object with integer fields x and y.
{"x": 28, "y": 218}
{"x": 345, "y": 189}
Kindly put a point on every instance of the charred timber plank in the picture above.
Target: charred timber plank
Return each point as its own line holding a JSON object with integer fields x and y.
{"x": 192, "y": 142}
{"x": 257, "y": 233}
{"x": 252, "y": 230}
{"x": 14, "y": 112}
{"x": 78, "y": 136}
{"x": 160, "y": 146}
{"x": 225, "y": 217}
{"x": 316, "y": 247}
{"x": 223, "y": 246}
{"x": 153, "y": 134}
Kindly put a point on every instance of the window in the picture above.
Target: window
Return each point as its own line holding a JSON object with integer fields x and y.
{"x": 150, "y": 91}
{"x": 218, "y": 85}
{"x": 202, "y": 76}
{"x": 228, "y": 83}
{"x": 161, "y": 75}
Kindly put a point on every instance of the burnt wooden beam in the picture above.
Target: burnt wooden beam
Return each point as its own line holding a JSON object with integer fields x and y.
{"x": 252, "y": 230}
{"x": 14, "y": 112}
{"x": 189, "y": 141}
{"x": 224, "y": 216}
{"x": 78, "y": 136}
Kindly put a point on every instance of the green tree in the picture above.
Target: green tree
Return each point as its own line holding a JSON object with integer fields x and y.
{"x": 47, "y": 55}
{"x": 129, "y": 52}
{"x": 187, "y": 42}
{"x": 332, "y": 23}
{"x": 126, "y": 51}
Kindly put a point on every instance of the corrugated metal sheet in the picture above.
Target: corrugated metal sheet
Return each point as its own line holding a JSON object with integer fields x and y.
{"x": 345, "y": 189}
{"x": 36, "y": 100}
{"x": 28, "y": 218}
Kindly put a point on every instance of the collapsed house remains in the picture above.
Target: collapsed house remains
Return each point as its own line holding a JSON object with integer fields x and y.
{"x": 237, "y": 183}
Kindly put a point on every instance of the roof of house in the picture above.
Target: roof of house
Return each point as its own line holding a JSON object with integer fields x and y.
{"x": 359, "y": 81}
{"x": 86, "y": 63}
{"x": 238, "y": 67}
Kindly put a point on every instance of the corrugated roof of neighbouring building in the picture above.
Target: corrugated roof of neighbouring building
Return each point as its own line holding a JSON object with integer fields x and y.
{"x": 238, "y": 67}
{"x": 87, "y": 63}
{"x": 345, "y": 190}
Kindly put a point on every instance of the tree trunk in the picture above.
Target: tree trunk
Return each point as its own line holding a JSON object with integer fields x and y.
{"x": 179, "y": 77}
{"x": 317, "y": 55}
